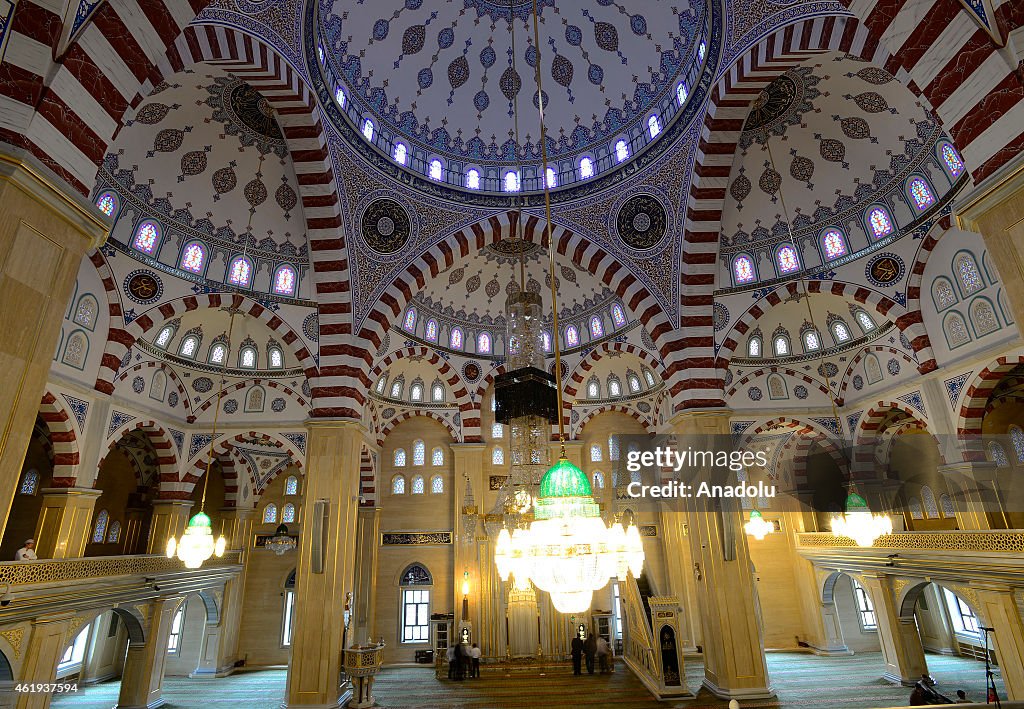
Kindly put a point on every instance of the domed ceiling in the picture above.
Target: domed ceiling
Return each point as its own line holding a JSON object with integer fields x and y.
{"x": 441, "y": 76}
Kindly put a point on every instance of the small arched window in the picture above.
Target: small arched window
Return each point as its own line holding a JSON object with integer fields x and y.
{"x": 270, "y": 514}
{"x": 572, "y": 336}
{"x": 653, "y": 126}
{"x": 147, "y": 237}
{"x": 240, "y": 272}
{"x": 618, "y": 315}
{"x": 288, "y": 513}
{"x": 436, "y": 485}
{"x": 29, "y": 483}
{"x": 483, "y": 343}
{"x": 430, "y": 331}
{"x": 777, "y": 387}
{"x": 787, "y": 260}
{"x": 613, "y": 447}
{"x": 381, "y": 383}
{"x": 275, "y": 358}
{"x": 951, "y": 159}
{"x": 115, "y": 532}
{"x": 218, "y": 353}
{"x": 634, "y": 383}
{"x": 621, "y": 150}
{"x": 498, "y": 456}
{"x": 85, "y": 313}
{"x": 596, "y": 454}
{"x": 743, "y": 269}
{"x": 511, "y": 181}
{"x": 436, "y": 170}
{"x": 942, "y": 294}
{"x": 497, "y": 430}
{"x": 455, "y": 339}
{"x": 193, "y": 257}
{"x": 189, "y": 346}
{"x": 437, "y": 456}
{"x": 552, "y": 178}
{"x": 418, "y": 487}
{"x": 931, "y": 507}
{"x": 754, "y": 346}
{"x": 586, "y": 168}
{"x": 649, "y": 376}
{"x": 247, "y": 358}
{"x": 401, "y": 153}
{"x": 865, "y": 321}
{"x": 164, "y": 338}
{"x": 107, "y": 203}
{"x": 920, "y": 193}
{"x": 1017, "y": 439}
{"x": 781, "y": 346}
{"x": 99, "y": 529}
{"x": 473, "y": 179}
{"x": 998, "y": 454}
{"x": 880, "y": 222}
{"x": 955, "y": 329}
{"x": 593, "y": 389}
{"x": 437, "y": 393}
{"x": 410, "y": 320}
{"x": 419, "y": 453}
{"x": 368, "y": 129}
{"x": 416, "y": 392}
{"x": 983, "y": 316}
{"x": 614, "y": 386}
{"x": 158, "y": 386}
{"x": 285, "y": 280}
{"x": 399, "y": 457}
{"x": 339, "y": 96}
{"x": 396, "y": 388}
{"x": 812, "y": 342}
{"x": 833, "y": 245}
{"x": 599, "y": 480}
{"x": 872, "y": 369}
{"x": 840, "y": 333}
{"x": 967, "y": 273}
{"x": 398, "y": 485}
{"x": 546, "y": 339}
{"x": 596, "y": 328}
{"x": 291, "y": 485}
{"x": 681, "y": 93}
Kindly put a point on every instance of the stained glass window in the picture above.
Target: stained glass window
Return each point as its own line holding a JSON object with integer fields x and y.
{"x": 217, "y": 354}
{"x": 455, "y": 339}
{"x": 107, "y": 203}
{"x": 649, "y": 376}
{"x": 546, "y": 337}
{"x": 881, "y": 223}
{"x": 983, "y": 317}
{"x": 586, "y": 168}
{"x": 437, "y": 485}
{"x": 552, "y": 178}
{"x": 754, "y": 347}
{"x": 288, "y": 513}
{"x": 833, "y": 244}
{"x": 511, "y": 182}
{"x": 274, "y": 358}
{"x": 599, "y": 480}
{"x": 953, "y": 162}
{"x": 942, "y": 294}
{"x": 614, "y": 387}
{"x": 193, "y": 257}
{"x": 437, "y": 456}
{"x": 865, "y": 321}
{"x": 291, "y": 485}
{"x": 596, "y": 327}
{"x": 787, "y": 259}
{"x": 681, "y": 93}
{"x": 634, "y": 383}
{"x": 473, "y": 179}
{"x": 595, "y": 453}
{"x": 419, "y": 453}
{"x": 653, "y": 126}
{"x": 115, "y": 532}
{"x": 248, "y": 358}
{"x": 998, "y": 455}
{"x": 284, "y": 281}
{"x": 702, "y": 50}
{"x": 400, "y": 457}
{"x": 99, "y": 530}
{"x": 398, "y": 485}
{"x": 270, "y": 514}
{"x": 811, "y": 341}
{"x": 437, "y": 393}
{"x": 967, "y": 272}
{"x": 841, "y": 332}
{"x": 613, "y": 447}
{"x": 417, "y": 485}
{"x": 381, "y": 383}
{"x": 497, "y": 431}
{"x": 164, "y": 337}
{"x": 368, "y": 129}
{"x": 401, "y": 153}
{"x": 396, "y": 388}
{"x": 781, "y": 346}
{"x": 431, "y": 330}
{"x": 29, "y": 483}
{"x": 743, "y": 269}
{"x": 483, "y": 343}
{"x": 921, "y": 193}
{"x": 618, "y": 315}
{"x": 498, "y": 456}
{"x": 956, "y": 330}
{"x": 410, "y": 320}
{"x": 1017, "y": 438}
{"x": 239, "y": 272}
{"x": 416, "y": 392}
{"x": 436, "y": 169}
{"x": 572, "y": 336}
{"x": 189, "y": 346}
{"x": 146, "y": 237}
{"x": 621, "y": 150}
{"x": 339, "y": 96}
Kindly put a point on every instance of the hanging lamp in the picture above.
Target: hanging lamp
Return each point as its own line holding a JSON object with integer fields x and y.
{"x": 281, "y": 542}
{"x": 758, "y": 527}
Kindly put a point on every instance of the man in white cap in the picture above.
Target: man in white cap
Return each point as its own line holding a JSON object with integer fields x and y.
{"x": 27, "y": 552}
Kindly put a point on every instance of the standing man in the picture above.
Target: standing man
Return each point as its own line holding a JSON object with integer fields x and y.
{"x": 27, "y": 552}
{"x": 590, "y": 651}
{"x": 474, "y": 654}
{"x": 577, "y": 654}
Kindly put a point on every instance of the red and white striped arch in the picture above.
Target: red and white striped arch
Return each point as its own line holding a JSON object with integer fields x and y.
{"x": 869, "y": 436}
{"x": 159, "y": 438}
{"x": 150, "y": 364}
{"x": 224, "y": 448}
{"x": 975, "y": 400}
{"x": 62, "y": 438}
{"x": 642, "y": 419}
{"x": 238, "y": 386}
{"x": 388, "y": 426}
{"x": 574, "y": 382}
{"x": 773, "y": 369}
{"x": 469, "y": 413}
{"x": 805, "y": 434}
{"x": 852, "y": 367}
{"x": 367, "y": 479}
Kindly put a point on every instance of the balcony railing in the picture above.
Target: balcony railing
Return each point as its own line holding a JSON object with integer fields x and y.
{"x": 981, "y": 541}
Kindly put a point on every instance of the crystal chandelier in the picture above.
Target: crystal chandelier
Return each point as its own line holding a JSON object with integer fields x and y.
{"x": 859, "y": 524}
{"x": 281, "y": 542}
{"x": 758, "y": 527}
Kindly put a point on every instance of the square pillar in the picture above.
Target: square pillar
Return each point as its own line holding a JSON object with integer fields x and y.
{"x": 901, "y": 643}
{"x": 975, "y": 500}
{"x": 46, "y": 645}
{"x": 169, "y": 520}
{"x": 65, "y": 522}
{"x": 365, "y": 622}
{"x": 998, "y": 609}
{"x": 143, "y": 675}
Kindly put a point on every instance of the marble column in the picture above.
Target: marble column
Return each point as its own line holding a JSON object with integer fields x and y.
{"x": 997, "y": 608}
{"x": 902, "y": 650}
{"x": 676, "y": 549}
{"x": 326, "y": 570}
{"x": 364, "y": 625}
{"x": 734, "y": 662}
{"x": 168, "y": 520}
{"x": 65, "y": 522}
{"x": 143, "y": 675}
{"x": 44, "y": 231}
{"x": 47, "y": 641}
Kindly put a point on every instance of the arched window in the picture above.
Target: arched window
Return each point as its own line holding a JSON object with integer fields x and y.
{"x": 649, "y": 376}
{"x": 430, "y": 331}
{"x": 931, "y": 507}
{"x": 107, "y": 203}
{"x": 381, "y": 383}
{"x": 85, "y": 313}
{"x": 158, "y": 386}
{"x": 419, "y": 453}
{"x": 599, "y": 480}
{"x": 586, "y": 168}
{"x": 254, "y": 399}
{"x": 955, "y": 329}
{"x": 865, "y": 321}
{"x": 681, "y": 93}
{"x": 920, "y": 193}
{"x": 880, "y": 222}
{"x": 840, "y": 333}
{"x": 497, "y": 430}
{"x": 596, "y": 328}
{"x": 998, "y": 454}
{"x": 702, "y": 50}
{"x": 436, "y": 170}
{"x": 218, "y": 353}
{"x": 275, "y": 358}
{"x": 781, "y": 346}
{"x": 285, "y": 280}
{"x": 787, "y": 259}
{"x": 247, "y": 358}
{"x": 418, "y": 487}
{"x": 983, "y": 317}
{"x": 483, "y": 343}
{"x": 270, "y": 514}
{"x": 174, "y": 637}
{"x": 593, "y": 389}
{"x": 634, "y": 383}
{"x": 29, "y": 483}
{"x": 164, "y": 338}
{"x": 595, "y": 453}
{"x": 653, "y": 126}
{"x": 339, "y": 96}
{"x": 401, "y": 153}
{"x": 946, "y": 505}
{"x": 189, "y": 346}
{"x": 511, "y": 181}
{"x": 288, "y": 513}
{"x": 147, "y": 237}
{"x": 291, "y": 485}
{"x": 76, "y": 350}
{"x": 240, "y": 271}
{"x": 416, "y": 392}
{"x": 436, "y": 485}
{"x": 396, "y": 388}
{"x": 437, "y": 393}
{"x": 368, "y": 129}
{"x": 942, "y": 293}
{"x": 967, "y": 273}
{"x": 552, "y": 178}
{"x": 572, "y": 336}
{"x": 114, "y": 533}
{"x": 777, "y": 387}
{"x": 951, "y": 159}
{"x": 193, "y": 257}
{"x": 455, "y": 339}
{"x": 914, "y": 505}
{"x": 872, "y": 369}
{"x": 614, "y": 386}
{"x": 437, "y": 456}
{"x": 546, "y": 338}
{"x": 613, "y": 447}
{"x": 621, "y": 150}
{"x": 399, "y": 457}
{"x": 415, "y": 613}
{"x": 99, "y": 529}
{"x": 833, "y": 245}
{"x": 398, "y": 485}
{"x": 754, "y": 346}
{"x": 1017, "y": 439}
{"x": 743, "y": 269}
{"x": 618, "y": 315}
{"x": 812, "y": 342}
{"x": 473, "y": 179}
{"x": 498, "y": 456}
{"x": 410, "y": 320}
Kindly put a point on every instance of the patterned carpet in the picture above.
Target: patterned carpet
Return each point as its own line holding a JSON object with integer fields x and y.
{"x": 800, "y": 680}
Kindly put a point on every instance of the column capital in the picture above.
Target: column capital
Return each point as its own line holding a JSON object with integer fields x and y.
{"x": 174, "y": 503}
{"x": 350, "y": 424}
{"x": 71, "y": 491}
{"x": 468, "y": 446}
{"x": 698, "y": 416}
{"x": 237, "y": 512}
{"x": 1003, "y": 185}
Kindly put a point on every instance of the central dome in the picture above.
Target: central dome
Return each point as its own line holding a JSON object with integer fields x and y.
{"x": 435, "y": 86}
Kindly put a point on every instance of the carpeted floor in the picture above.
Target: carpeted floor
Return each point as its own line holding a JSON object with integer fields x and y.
{"x": 800, "y": 681}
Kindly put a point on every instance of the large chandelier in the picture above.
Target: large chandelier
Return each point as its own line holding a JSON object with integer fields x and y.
{"x": 859, "y": 524}
{"x": 758, "y": 527}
